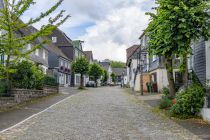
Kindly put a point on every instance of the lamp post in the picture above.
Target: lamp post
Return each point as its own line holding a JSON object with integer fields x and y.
{"x": 123, "y": 79}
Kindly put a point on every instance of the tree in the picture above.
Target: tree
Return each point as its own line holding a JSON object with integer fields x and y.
{"x": 117, "y": 64}
{"x": 105, "y": 76}
{"x": 95, "y": 71}
{"x": 12, "y": 44}
{"x": 81, "y": 66}
{"x": 113, "y": 75}
{"x": 174, "y": 27}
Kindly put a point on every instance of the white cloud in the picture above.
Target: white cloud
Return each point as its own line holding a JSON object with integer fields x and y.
{"x": 117, "y": 24}
{"x": 120, "y": 29}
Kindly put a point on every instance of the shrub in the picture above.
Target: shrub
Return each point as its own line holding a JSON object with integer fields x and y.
{"x": 3, "y": 88}
{"x": 50, "y": 81}
{"x": 27, "y": 76}
{"x": 165, "y": 103}
{"x": 189, "y": 102}
{"x": 165, "y": 91}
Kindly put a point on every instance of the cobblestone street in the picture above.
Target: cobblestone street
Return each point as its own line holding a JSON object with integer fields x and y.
{"x": 98, "y": 114}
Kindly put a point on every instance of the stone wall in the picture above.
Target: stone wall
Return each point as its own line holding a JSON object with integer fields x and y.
{"x": 7, "y": 101}
{"x": 21, "y": 95}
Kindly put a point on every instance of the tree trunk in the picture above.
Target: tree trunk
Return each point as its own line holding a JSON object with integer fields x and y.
{"x": 185, "y": 71}
{"x": 169, "y": 68}
{"x": 81, "y": 81}
{"x": 96, "y": 82}
{"x": 7, "y": 73}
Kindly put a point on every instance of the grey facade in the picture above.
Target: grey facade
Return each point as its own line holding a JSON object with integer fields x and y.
{"x": 198, "y": 60}
{"x": 71, "y": 49}
{"x": 59, "y": 65}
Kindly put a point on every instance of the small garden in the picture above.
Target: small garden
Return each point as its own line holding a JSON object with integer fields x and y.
{"x": 186, "y": 104}
{"x": 25, "y": 75}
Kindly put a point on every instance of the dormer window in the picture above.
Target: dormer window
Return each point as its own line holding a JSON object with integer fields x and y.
{"x": 154, "y": 58}
{"x": 44, "y": 54}
{"x": 37, "y": 52}
{"x": 29, "y": 47}
{"x": 54, "y": 39}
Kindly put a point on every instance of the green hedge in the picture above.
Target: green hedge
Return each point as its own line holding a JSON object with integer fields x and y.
{"x": 189, "y": 102}
{"x": 30, "y": 76}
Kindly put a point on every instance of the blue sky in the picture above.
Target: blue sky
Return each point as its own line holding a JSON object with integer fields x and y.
{"x": 108, "y": 27}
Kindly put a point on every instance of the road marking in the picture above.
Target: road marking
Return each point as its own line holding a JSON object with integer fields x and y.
{"x": 34, "y": 115}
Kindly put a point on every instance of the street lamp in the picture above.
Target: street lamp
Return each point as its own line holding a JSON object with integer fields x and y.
{"x": 123, "y": 79}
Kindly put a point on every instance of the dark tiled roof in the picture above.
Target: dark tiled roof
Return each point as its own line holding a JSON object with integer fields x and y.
{"x": 89, "y": 55}
{"x": 27, "y": 31}
{"x": 130, "y": 51}
{"x": 105, "y": 65}
{"x": 62, "y": 38}
{"x": 119, "y": 71}
{"x": 54, "y": 49}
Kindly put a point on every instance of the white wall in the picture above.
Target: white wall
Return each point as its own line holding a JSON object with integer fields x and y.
{"x": 205, "y": 112}
{"x": 131, "y": 81}
{"x": 137, "y": 83}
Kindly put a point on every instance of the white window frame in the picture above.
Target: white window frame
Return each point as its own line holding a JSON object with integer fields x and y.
{"x": 29, "y": 47}
{"x": 61, "y": 62}
{"x": 37, "y": 52}
{"x": 54, "y": 39}
{"x": 154, "y": 58}
{"x": 43, "y": 54}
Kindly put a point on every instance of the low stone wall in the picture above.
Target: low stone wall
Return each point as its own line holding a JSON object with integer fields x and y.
{"x": 6, "y": 101}
{"x": 47, "y": 90}
{"x": 21, "y": 95}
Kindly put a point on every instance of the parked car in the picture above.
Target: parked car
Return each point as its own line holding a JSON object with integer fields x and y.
{"x": 90, "y": 84}
{"x": 112, "y": 84}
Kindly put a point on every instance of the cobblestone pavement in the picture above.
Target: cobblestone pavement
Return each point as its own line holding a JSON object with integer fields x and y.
{"x": 98, "y": 114}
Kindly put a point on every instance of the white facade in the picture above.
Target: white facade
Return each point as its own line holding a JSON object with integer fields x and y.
{"x": 131, "y": 76}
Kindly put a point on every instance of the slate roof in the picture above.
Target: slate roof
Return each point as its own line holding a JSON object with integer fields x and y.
{"x": 62, "y": 38}
{"x": 49, "y": 47}
{"x": 130, "y": 51}
{"x": 106, "y": 65}
{"x": 27, "y": 31}
{"x": 89, "y": 55}
{"x": 54, "y": 49}
{"x": 119, "y": 71}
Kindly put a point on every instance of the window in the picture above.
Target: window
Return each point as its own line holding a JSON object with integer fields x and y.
{"x": 54, "y": 39}
{"x": 66, "y": 64}
{"x": 37, "y": 52}
{"x": 61, "y": 62}
{"x": 29, "y": 47}
{"x": 43, "y": 54}
{"x": 154, "y": 58}
{"x": 77, "y": 79}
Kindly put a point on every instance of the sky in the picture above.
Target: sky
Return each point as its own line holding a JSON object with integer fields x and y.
{"x": 108, "y": 27}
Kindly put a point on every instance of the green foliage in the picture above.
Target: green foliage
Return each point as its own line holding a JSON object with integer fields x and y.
{"x": 174, "y": 26}
{"x": 113, "y": 75}
{"x": 117, "y": 64}
{"x": 14, "y": 39}
{"x": 105, "y": 76}
{"x": 95, "y": 71}
{"x": 189, "y": 102}
{"x": 165, "y": 102}
{"x": 27, "y": 76}
{"x": 50, "y": 81}
{"x": 165, "y": 91}
{"x": 3, "y": 88}
{"x": 80, "y": 66}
